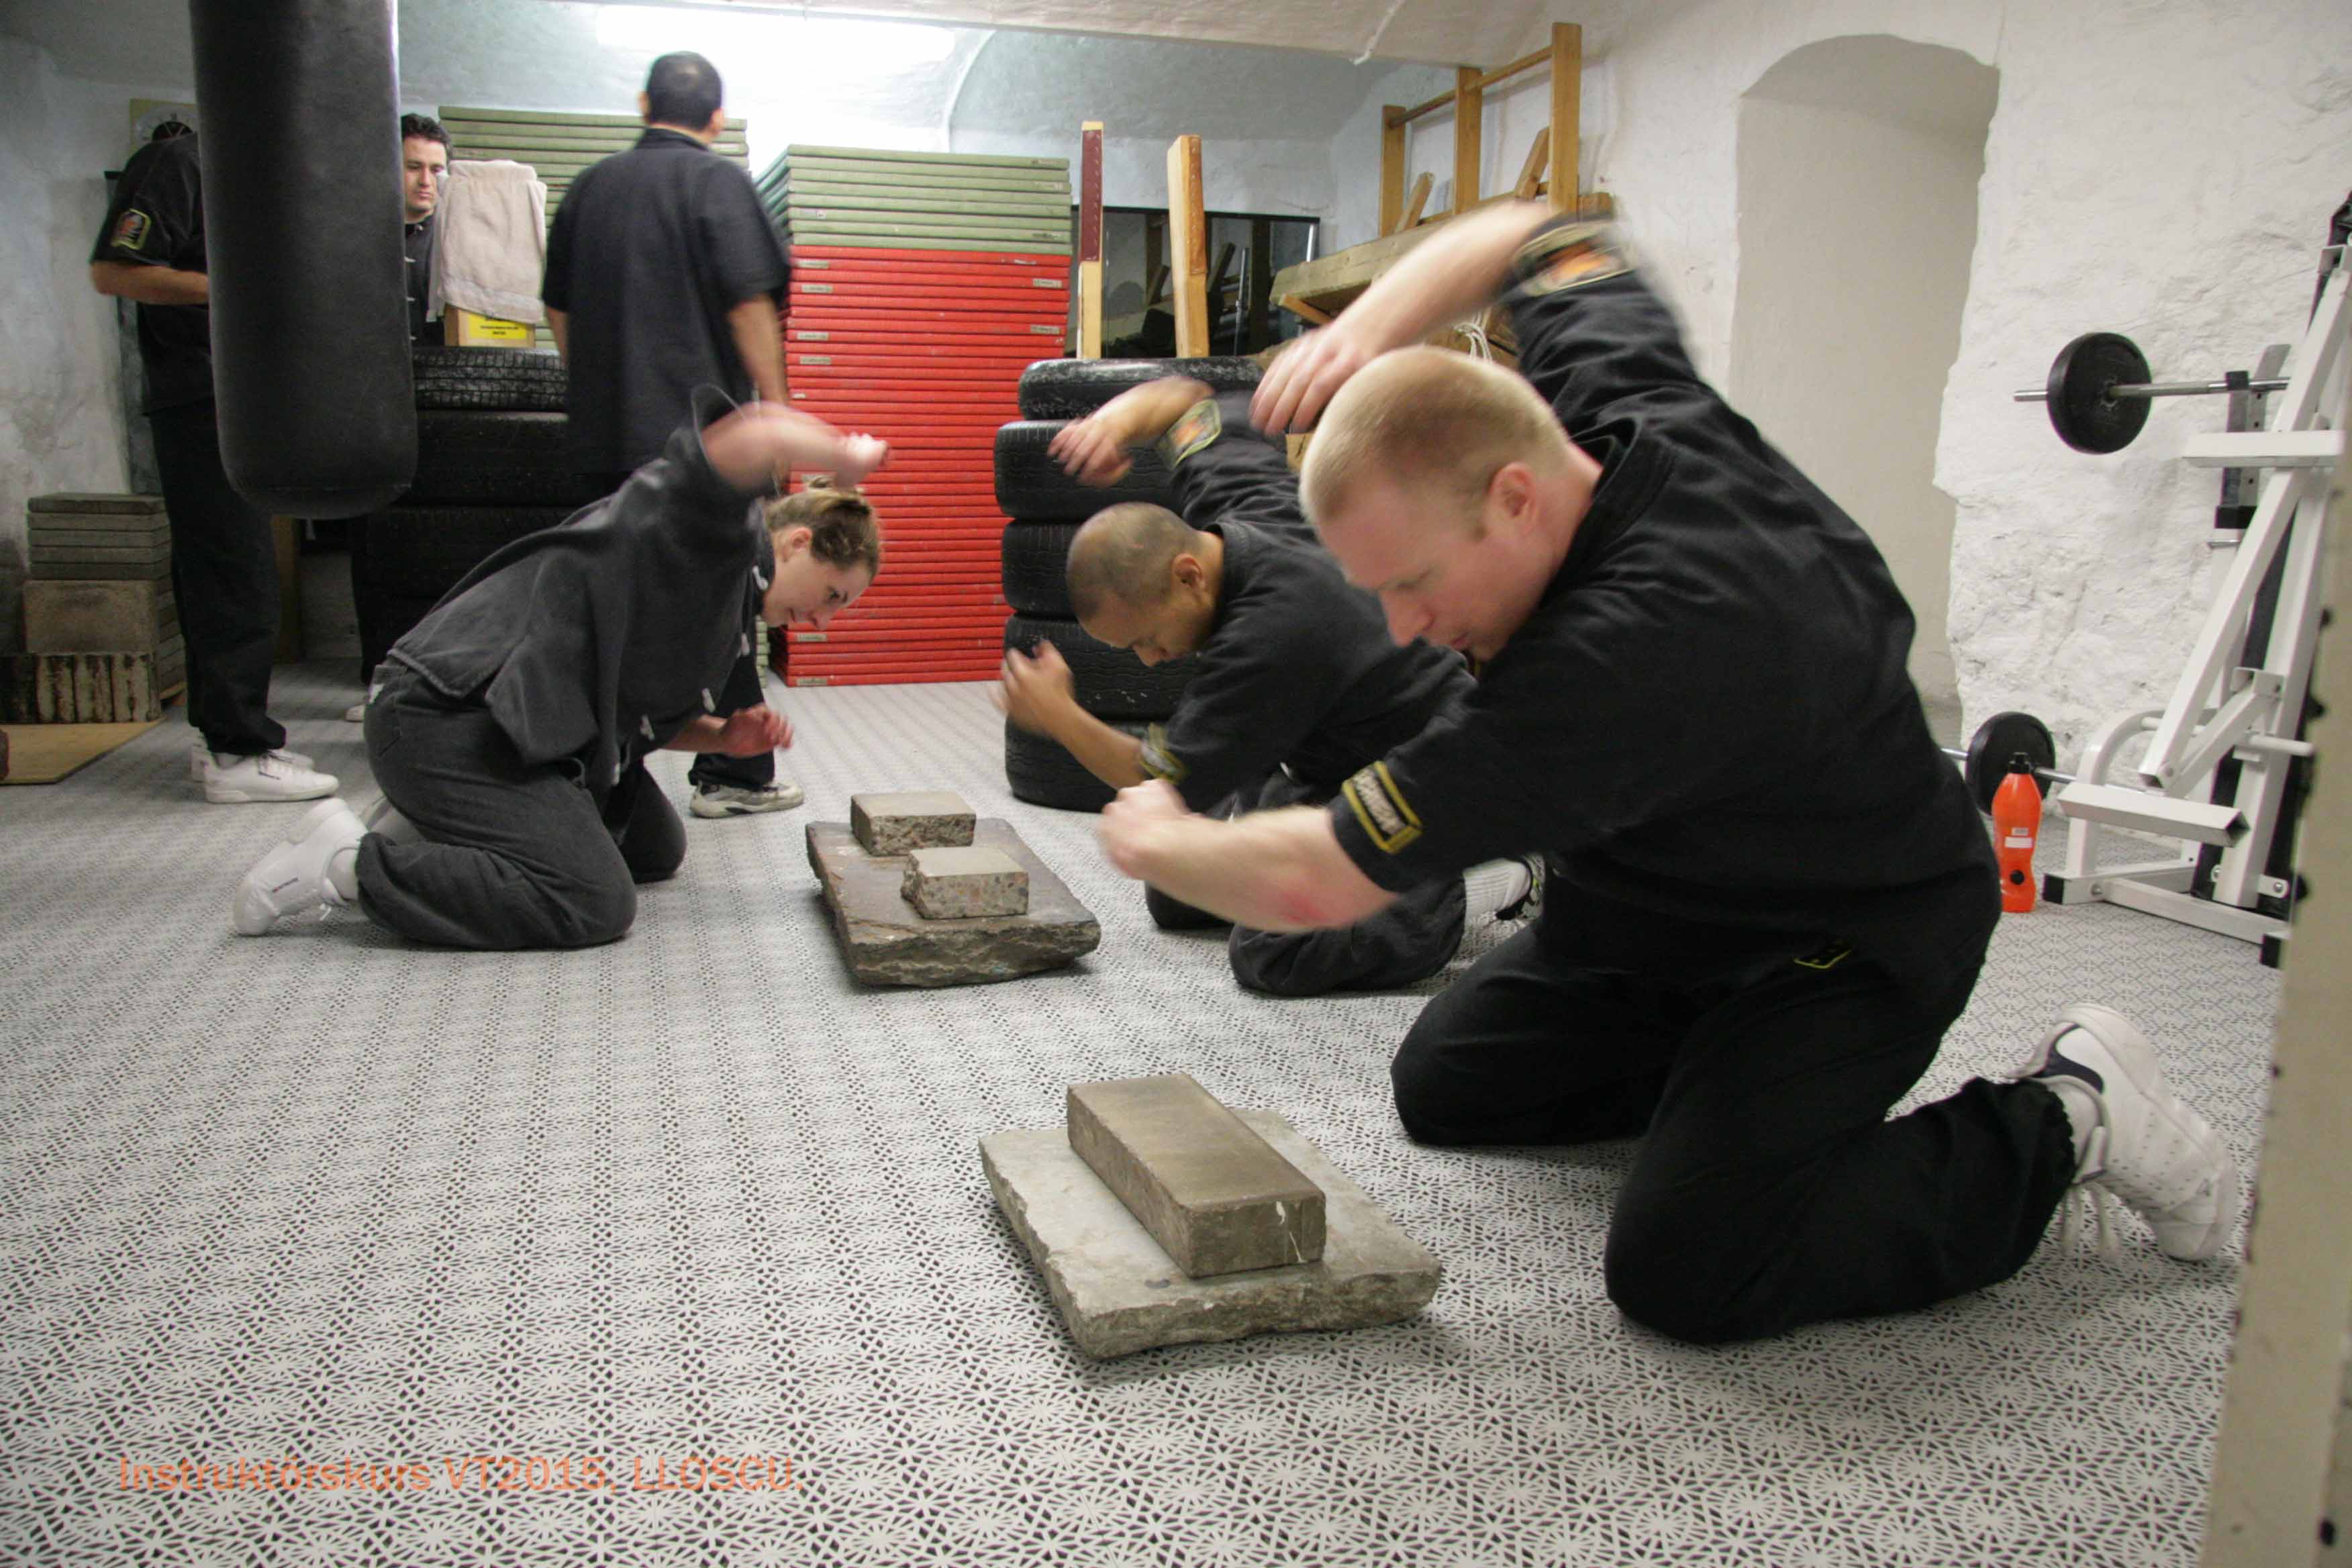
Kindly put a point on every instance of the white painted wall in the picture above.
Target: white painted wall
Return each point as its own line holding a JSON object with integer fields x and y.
{"x": 2164, "y": 170}
{"x": 1855, "y": 228}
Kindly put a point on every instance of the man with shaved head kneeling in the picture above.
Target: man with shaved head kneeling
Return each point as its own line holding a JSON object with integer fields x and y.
{"x": 1297, "y": 682}
{"x": 1769, "y": 893}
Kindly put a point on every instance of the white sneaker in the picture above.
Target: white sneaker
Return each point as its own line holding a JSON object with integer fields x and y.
{"x": 197, "y": 754}
{"x": 318, "y": 865}
{"x": 272, "y": 776}
{"x": 726, "y": 800}
{"x": 2149, "y": 1149}
{"x": 356, "y": 713}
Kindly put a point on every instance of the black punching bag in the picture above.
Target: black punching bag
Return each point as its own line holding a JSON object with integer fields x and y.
{"x": 300, "y": 151}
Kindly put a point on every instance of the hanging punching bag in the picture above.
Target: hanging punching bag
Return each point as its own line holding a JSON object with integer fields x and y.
{"x": 300, "y": 155}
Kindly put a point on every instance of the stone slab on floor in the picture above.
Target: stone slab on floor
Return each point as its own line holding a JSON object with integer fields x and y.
{"x": 911, "y": 819}
{"x": 969, "y": 881}
{"x": 1119, "y": 1293}
{"x": 1213, "y": 1194}
{"x": 889, "y": 942}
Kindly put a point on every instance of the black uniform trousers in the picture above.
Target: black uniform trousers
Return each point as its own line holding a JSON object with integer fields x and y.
{"x": 514, "y": 854}
{"x": 1770, "y": 1189}
{"x": 717, "y": 770}
{"x": 1412, "y": 939}
{"x": 224, "y": 576}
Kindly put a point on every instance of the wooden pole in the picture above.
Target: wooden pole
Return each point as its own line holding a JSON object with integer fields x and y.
{"x": 1090, "y": 239}
{"x": 1391, "y": 166}
{"x": 1531, "y": 173}
{"x": 1469, "y": 133}
{"x": 1188, "y": 248}
{"x": 1567, "y": 97}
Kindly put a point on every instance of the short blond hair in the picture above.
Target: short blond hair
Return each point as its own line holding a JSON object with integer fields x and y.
{"x": 1434, "y": 421}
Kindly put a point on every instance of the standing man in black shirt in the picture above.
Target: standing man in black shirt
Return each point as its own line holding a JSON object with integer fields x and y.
{"x": 1297, "y": 684}
{"x": 424, "y": 168}
{"x": 1769, "y": 893}
{"x": 223, "y": 559}
{"x": 663, "y": 274}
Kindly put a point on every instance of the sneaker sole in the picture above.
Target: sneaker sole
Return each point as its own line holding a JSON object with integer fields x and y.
{"x": 249, "y": 798}
{"x": 713, "y": 812}
{"x": 252, "y": 911}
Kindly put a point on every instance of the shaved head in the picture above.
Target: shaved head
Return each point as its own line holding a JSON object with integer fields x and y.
{"x": 1430, "y": 421}
{"x": 1125, "y": 553}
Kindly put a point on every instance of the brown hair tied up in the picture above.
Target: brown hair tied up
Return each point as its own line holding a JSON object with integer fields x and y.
{"x": 842, "y": 529}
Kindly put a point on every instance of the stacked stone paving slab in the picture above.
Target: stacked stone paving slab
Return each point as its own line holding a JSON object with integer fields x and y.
{"x": 101, "y": 629}
{"x": 928, "y": 845}
{"x": 922, "y": 284}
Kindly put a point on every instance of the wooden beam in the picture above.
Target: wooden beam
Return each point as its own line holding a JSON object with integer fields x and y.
{"x": 1157, "y": 285}
{"x": 1303, "y": 311}
{"x": 1391, "y": 166}
{"x": 1217, "y": 276}
{"x": 1090, "y": 241}
{"x": 1469, "y": 135}
{"x": 1500, "y": 73}
{"x": 1413, "y": 209}
{"x": 1567, "y": 98}
{"x": 1188, "y": 248}
{"x": 1531, "y": 173}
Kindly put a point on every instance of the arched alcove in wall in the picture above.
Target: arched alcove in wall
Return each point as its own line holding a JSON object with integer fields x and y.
{"x": 1859, "y": 160}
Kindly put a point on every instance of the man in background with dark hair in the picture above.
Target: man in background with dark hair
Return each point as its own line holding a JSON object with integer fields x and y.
{"x": 664, "y": 273}
{"x": 424, "y": 167}
{"x": 151, "y": 249}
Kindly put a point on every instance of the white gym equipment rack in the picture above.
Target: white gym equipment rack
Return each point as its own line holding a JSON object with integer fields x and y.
{"x": 2228, "y": 705}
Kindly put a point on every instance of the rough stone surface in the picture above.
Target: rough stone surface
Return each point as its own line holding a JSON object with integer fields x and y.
{"x": 886, "y": 942}
{"x": 974, "y": 881}
{"x": 912, "y": 819}
{"x": 1119, "y": 1293}
{"x": 94, "y": 618}
{"x": 1212, "y": 1193}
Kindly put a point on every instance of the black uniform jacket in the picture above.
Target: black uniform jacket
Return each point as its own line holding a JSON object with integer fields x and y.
{"x": 157, "y": 219}
{"x": 596, "y": 640}
{"x": 1708, "y": 721}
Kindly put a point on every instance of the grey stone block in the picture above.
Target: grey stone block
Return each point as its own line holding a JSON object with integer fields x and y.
{"x": 86, "y": 503}
{"x": 887, "y": 943}
{"x": 1118, "y": 1293}
{"x": 80, "y": 616}
{"x": 911, "y": 819}
{"x": 966, "y": 883}
{"x": 1210, "y": 1191}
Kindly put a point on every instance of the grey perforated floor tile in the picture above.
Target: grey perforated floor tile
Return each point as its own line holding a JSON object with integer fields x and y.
{"x": 328, "y": 1197}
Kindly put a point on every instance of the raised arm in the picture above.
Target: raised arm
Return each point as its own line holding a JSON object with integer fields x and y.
{"x": 755, "y": 446}
{"x": 1095, "y": 450}
{"x": 1463, "y": 267}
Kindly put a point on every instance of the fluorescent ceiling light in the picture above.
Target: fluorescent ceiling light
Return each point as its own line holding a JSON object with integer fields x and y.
{"x": 747, "y": 34}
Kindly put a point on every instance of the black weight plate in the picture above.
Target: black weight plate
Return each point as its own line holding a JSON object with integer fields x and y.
{"x": 2081, "y": 410}
{"x": 1997, "y": 740}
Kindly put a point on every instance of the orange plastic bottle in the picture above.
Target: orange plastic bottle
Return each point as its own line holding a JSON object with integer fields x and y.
{"x": 2016, "y": 823}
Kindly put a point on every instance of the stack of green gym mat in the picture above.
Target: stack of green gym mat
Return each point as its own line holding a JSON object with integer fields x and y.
{"x": 920, "y": 201}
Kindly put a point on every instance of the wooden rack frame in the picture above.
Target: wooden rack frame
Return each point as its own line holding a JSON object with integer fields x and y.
{"x": 1565, "y": 59}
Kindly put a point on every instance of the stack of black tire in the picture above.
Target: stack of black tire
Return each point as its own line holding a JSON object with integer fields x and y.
{"x": 1046, "y": 508}
{"x": 491, "y": 466}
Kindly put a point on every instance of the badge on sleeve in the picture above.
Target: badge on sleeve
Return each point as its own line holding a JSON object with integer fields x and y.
{"x": 130, "y": 230}
{"x": 1373, "y": 795}
{"x": 1568, "y": 255}
{"x": 1157, "y": 759}
{"x": 1199, "y": 425}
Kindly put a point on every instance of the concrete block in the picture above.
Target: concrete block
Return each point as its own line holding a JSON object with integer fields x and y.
{"x": 911, "y": 819}
{"x": 88, "y": 503}
{"x": 1210, "y": 1191}
{"x": 69, "y": 617}
{"x": 1117, "y": 1292}
{"x": 887, "y": 943}
{"x": 965, "y": 883}
{"x": 79, "y": 687}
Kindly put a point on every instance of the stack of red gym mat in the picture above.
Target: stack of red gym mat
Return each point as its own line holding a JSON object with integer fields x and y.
{"x": 919, "y": 338}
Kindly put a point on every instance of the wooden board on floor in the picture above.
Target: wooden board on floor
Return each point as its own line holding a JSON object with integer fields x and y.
{"x": 43, "y": 753}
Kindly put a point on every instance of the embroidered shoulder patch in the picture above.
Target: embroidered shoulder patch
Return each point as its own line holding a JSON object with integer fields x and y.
{"x": 1157, "y": 759}
{"x": 1199, "y": 425}
{"x": 1569, "y": 256}
{"x": 1373, "y": 795}
{"x": 130, "y": 230}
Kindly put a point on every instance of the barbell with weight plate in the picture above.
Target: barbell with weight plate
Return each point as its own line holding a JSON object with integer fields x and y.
{"x": 2098, "y": 391}
{"x": 2005, "y": 735}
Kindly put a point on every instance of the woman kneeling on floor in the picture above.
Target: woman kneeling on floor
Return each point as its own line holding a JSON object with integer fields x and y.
{"x": 510, "y": 736}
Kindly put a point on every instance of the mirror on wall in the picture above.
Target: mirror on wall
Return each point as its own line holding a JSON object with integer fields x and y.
{"x": 1245, "y": 250}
